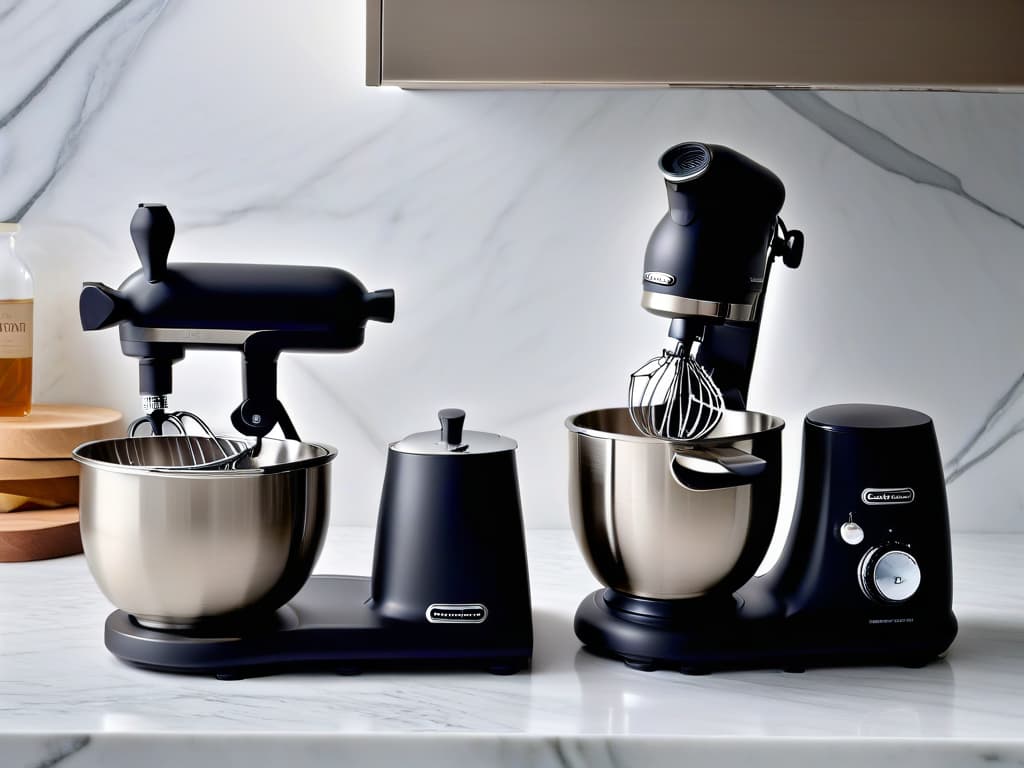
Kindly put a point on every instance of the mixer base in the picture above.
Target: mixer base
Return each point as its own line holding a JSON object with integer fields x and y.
{"x": 330, "y": 624}
{"x": 751, "y": 635}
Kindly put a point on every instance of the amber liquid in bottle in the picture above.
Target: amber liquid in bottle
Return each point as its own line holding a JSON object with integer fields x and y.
{"x": 15, "y": 357}
{"x": 15, "y": 386}
{"x": 16, "y": 305}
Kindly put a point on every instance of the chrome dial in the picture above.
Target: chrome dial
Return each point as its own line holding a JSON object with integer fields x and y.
{"x": 889, "y": 574}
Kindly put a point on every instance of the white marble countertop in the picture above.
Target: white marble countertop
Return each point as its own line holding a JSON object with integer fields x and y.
{"x": 64, "y": 698}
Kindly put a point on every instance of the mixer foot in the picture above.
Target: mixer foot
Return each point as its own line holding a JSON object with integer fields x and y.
{"x": 229, "y": 676}
{"x": 642, "y": 664}
{"x": 917, "y": 663}
{"x": 694, "y": 671}
{"x": 505, "y": 669}
{"x": 794, "y": 670}
{"x": 348, "y": 671}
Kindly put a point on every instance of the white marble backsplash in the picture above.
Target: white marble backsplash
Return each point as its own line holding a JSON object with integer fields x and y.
{"x": 512, "y": 227}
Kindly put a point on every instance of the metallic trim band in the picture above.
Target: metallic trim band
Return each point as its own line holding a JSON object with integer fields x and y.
{"x": 668, "y": 305}
{"x": 679, "y": 178}
{"x": 193, "y": 335}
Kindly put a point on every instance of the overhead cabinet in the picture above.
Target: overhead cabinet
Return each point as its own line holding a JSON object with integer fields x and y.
{"x": 863, "y": 44}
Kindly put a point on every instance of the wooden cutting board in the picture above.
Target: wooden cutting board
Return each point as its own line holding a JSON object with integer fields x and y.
{"x": 39, "y": 535}
{"x": 53, "y": 492}
{"x": 53, "y": 431}
{"x": 21, "y": 470}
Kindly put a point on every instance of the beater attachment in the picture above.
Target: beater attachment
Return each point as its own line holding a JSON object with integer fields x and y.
{"x": 673, "y": 396}
{"x": 208, "y": 451}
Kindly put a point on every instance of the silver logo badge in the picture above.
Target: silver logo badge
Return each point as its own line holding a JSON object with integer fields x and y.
{"x": 877, "y": 496}
{"x": 457, "y": 613}
{"x": 660, "y": 278}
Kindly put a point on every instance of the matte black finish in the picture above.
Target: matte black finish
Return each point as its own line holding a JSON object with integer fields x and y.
{"x": 717, "y": 242}
{"x": 452, "y": 420}
{"x": 100, "y": 307}
{"x": 450, "y": 531}
{"x": 450, "y": 587}
{"x": 754, "y": 634}
{"x": 728, "y": 349}
{"x": 152, "y": 231}
{"x": 286, "y": 308}
{"x": 288, "y": 299}
{"x": 307, "y": 308}
{"x": 155, "y": 374}
{"x": 860, "y": 463}
{"x": 866, "y": 570}
{"x": 330, "y": 624}
{"x": 849, "y": 449}
{"x": 728, "y": 352}
{"x": 714, "y": 238}
{"x": 853, "y": 417}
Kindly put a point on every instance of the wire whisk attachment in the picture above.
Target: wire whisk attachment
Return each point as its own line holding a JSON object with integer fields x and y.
{"x": 673, "y": 397}
{"x": 204, "y": 450}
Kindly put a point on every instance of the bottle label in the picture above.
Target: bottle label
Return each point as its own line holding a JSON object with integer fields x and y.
{"x": 15, "y": 328}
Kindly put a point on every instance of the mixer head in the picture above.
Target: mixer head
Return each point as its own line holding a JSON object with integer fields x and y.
{"x": 709, "y": 255}
{"x": 260, "y": 310}
{"x": 706, "y": 268}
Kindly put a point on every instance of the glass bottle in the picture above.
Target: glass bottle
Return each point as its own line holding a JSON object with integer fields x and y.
{"x": 16, "y": 293}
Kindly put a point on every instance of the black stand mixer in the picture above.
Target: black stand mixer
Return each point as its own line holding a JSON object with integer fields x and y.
{"x": 674, "y": 500}
{"x": 209, "y": 558}
{"x": 257, "y": 309}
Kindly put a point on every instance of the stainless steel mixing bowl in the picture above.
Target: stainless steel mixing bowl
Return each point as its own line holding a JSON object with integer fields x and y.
{"x": 674, "y": 520}
{"x": 176, "y": 547}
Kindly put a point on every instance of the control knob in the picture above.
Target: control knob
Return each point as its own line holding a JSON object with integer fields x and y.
{"x": 889, "y": 574}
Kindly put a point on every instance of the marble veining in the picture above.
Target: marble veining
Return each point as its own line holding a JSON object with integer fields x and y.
{"x": 876, "y": 147}
{"x": 550, "y": 752}
{"x": 100, "y": 84}
{"x": 65, "y": 700}
{"x": 889, "y": 155}
{"x": 960, "y": 462}
{"x": 511, "y": 225}
{"x": 57, "y": 751}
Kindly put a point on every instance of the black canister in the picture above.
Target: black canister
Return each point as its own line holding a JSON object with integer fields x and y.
{"x": 450, "y": 547}
{"x": 870, "y": 539}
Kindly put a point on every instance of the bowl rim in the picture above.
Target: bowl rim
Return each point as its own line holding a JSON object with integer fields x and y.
{"x": 327, "y": 454}
{"x": 775, "y": 424}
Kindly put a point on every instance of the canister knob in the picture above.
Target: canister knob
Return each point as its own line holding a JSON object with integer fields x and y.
{"x": 452, "y": 420}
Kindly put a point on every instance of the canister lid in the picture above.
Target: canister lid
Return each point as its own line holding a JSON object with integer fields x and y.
{"x": 452, "y": 440}
{"x": 858, "y": 416}
{"x": 9, "y": 228}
